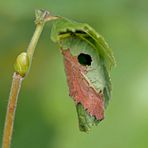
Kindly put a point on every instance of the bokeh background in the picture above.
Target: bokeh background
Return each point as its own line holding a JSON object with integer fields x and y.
{"x": 46, "y": 116}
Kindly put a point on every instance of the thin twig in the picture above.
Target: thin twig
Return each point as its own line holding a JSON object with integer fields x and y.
{"x": 34, "y": 40}
{"x": 15, "y": 88}
{"x": 42, "y": 17}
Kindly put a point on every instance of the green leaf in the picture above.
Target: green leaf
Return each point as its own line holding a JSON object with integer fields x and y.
{"x": 88, "y": 61}
{"x": 63, "y": 27}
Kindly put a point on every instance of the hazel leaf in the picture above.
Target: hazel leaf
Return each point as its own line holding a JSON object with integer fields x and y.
{"x": 88, "y": 61}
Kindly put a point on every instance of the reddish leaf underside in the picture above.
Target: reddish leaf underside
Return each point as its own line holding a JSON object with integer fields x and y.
{"x": 80, "y": 89}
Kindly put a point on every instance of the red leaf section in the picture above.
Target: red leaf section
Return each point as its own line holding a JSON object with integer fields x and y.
{"x": 79, "y": 87}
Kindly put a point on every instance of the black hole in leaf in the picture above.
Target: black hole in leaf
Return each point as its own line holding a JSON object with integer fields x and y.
{"x": 84, "y": 59}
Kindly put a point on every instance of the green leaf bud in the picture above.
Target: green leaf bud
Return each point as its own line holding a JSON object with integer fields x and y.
{"x": 21, "y": 65}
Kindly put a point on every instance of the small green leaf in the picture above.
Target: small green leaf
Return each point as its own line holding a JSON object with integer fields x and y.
{"x": 88, "y": 61}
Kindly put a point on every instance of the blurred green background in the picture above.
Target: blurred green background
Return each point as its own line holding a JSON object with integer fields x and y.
{"x": 46, "y": 116}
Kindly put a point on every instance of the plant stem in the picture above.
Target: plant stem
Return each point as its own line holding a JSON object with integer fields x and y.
{"x": 15, "y": 88}
{"x": 42, "y": 17}
{"x": 34, "y": 40}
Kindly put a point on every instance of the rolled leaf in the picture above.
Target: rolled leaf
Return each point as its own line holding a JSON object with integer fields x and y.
{"x": 88, "y": 61}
